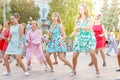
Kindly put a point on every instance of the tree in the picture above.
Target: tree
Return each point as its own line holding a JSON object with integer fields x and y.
{"x": 25, "y": 8}
{"x": 1, "y": 11}
{"x": 72, "y": 12}
{"x": 110, "y": 14}
{"x": 57, "y": 6}
{"x": 68, "y": 10}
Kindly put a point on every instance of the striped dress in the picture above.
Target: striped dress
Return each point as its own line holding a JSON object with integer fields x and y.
{"x": 54, "y": 45}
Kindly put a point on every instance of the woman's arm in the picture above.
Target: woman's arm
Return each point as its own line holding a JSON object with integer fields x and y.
{"x": 63, "y": 32}
{"x": 104, "y": 32}
{"x": 76, "y": 30}
{"x": 21, "y": 30}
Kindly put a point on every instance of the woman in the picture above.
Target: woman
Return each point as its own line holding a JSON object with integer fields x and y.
{"x": 112, "y": 42}
{"x": 6, "y": 36}
{"x": 57, "y": 41}
{"x": 1, "y": 43}
{"x": 99, "y": 31}
{"x": 84, "y": 38}
{"x": 15, "y": 44}
{"x": 33, "y": 43}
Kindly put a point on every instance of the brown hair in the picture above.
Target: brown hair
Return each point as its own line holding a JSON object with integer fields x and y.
{"x": 16, "y": 15}
{"x": 58, "y": 15}
{"x": 85, "y": 11}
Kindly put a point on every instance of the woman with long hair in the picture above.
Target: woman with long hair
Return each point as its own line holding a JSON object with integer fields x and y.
{"x": 99, "y": 31}
{"x": 84, "y": 38}
{"x": 57, "y": 41}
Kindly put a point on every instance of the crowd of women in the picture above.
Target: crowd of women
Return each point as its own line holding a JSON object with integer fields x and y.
{"x": 89, "y": 35}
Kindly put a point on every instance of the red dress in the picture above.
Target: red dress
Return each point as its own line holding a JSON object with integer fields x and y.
{"x": 6, "y": 35}
{"x": 100, "y": 41}
{"x": 1, "y": 43}
{"x": 1, "y": 40}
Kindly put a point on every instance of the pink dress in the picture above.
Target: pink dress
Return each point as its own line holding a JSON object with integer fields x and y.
{"x": 34, "y": 46}
{"x": 100, "y": 41}
{"x": 6, "y": 35}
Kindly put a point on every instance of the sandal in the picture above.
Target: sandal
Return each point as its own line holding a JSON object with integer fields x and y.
{"x": 73, "y": 73}
{"x": 97, "y": 74}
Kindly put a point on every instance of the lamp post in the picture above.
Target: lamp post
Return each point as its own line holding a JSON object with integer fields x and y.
{"x": 4, "y": 12}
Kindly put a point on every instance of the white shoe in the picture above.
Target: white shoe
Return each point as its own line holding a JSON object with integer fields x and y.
{"x": 26, "y": 74}
{"x": 6, "y": 73}
{"x": 72, "y": 74}
{"x": 46, "y": 69}
{"x": 97, "y": 75}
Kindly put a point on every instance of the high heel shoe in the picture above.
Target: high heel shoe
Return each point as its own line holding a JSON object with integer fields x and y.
{"x": 73, "y": 73}
{"x": 55, "y": 63}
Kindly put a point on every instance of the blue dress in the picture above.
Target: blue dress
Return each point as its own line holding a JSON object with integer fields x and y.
{"x": 54, "y": 45}
{"x": 13, "y": 48}
{"x": 84, "y": 39}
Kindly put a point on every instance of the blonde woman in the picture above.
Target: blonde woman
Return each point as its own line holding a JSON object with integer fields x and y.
{"x": 33, "y": 43}
{"x": 84, "y": 38}
{"x": 57, "y": 41}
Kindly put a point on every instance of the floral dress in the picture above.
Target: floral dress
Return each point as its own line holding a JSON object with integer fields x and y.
{"x": 34, "y": 46}
{"x": 54, "y": 45}
{"x": 84, "y": 39}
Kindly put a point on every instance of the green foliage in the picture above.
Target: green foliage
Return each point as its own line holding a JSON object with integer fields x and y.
{"x": 25, "y": 8}
{"x": 68, "y": 10}
{"x": 57, "y": 6}
{"x": 110, "y": 14}
{"x": 1, "y": 11}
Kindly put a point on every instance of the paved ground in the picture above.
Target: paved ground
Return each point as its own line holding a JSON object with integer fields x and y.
{"x": 84, "y": 72}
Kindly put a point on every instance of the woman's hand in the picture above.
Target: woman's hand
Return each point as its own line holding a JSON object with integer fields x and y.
{"x": 61, "y": 39}
{"x": 76, "y": 28}
{"x": 101, "y": 35}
